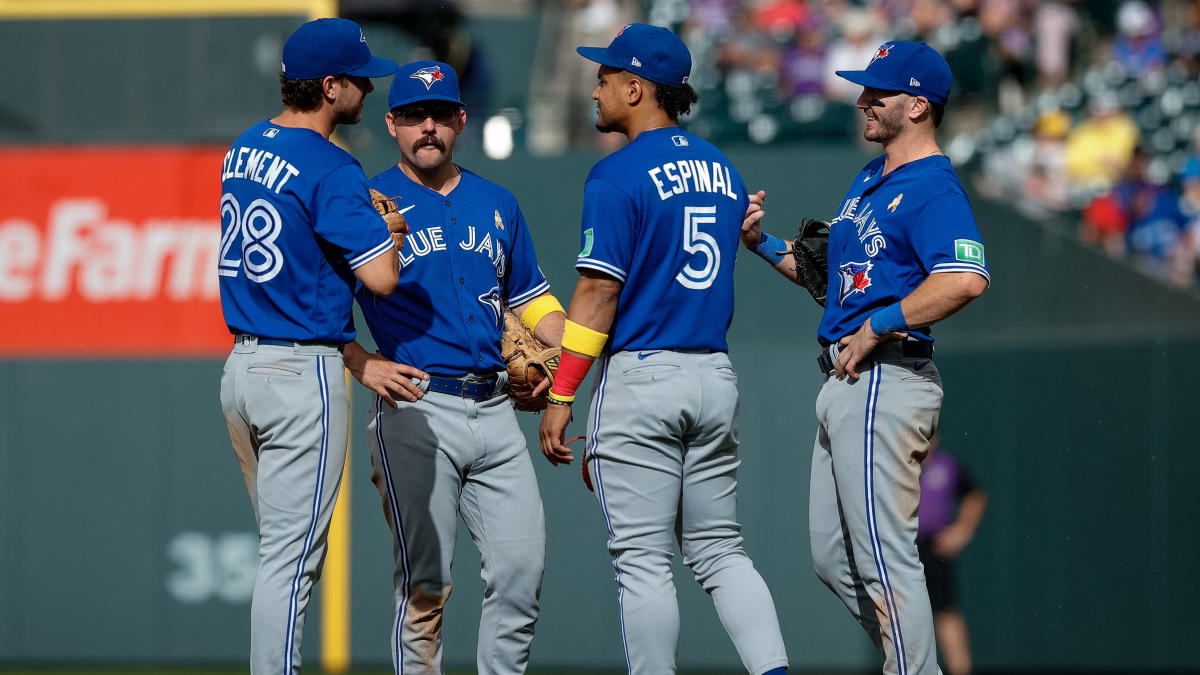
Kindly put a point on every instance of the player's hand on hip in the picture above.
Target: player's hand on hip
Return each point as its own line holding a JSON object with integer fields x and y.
{"x": 751, "y": 228}
{"x": 552, "y": 434}
{"x": 389, "y": 379}
{"x": 856, "y": 347}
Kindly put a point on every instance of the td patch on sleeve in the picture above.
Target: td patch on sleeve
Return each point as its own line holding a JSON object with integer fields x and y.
{"x": 966, "y": 250}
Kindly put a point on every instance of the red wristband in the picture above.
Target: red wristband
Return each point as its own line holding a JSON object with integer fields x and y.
{"x": 571, "y": 371}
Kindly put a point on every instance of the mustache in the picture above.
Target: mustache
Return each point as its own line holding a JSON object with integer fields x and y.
{"x": 429, "y": 140}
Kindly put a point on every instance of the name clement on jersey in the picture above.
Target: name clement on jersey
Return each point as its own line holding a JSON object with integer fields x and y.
{"x": 692, "y": 175}
{"x": 260, "y": 166}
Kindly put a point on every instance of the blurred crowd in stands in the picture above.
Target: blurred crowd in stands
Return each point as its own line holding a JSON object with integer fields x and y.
{"x": 1080, "y": 112}
{"x": 1084, "y": 111}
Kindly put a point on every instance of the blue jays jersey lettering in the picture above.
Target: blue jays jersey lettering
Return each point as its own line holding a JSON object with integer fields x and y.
{"x": 919, "y": 208}
{"x": 467, "y": 254}
{"x": 663, "y": 215}
{"x": 296, "y": 220}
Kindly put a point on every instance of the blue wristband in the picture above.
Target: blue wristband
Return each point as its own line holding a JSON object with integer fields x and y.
{"x": 769, "y": 249}
{"x": 888, "y": 320}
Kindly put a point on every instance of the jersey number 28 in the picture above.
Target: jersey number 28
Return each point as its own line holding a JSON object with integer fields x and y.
{"x": 699, "y": 243}
{"x": 259, "y": 226}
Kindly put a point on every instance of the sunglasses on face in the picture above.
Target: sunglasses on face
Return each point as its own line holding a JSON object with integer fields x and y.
{"x": 443, "y": 115}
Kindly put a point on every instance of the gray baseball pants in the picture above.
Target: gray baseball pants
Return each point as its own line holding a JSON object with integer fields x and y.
{"x": 287, "y": 412}
{"x": 442, "y": 457}
{"x": 863, "y": 498}
{"x": 662, "y": 435}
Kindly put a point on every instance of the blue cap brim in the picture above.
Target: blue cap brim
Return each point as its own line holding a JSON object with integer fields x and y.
{"x": 376, "y": 67}
{"x": 862, "y": 77}
{"x": 599, "y": 55}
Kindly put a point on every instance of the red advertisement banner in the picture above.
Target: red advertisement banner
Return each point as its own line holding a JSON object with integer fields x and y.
{"x": 110, "y": 252}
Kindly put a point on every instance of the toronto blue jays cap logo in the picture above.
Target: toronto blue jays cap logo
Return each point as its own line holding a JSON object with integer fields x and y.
{"x": 428, "y": 75}
{"x": 912, "y": 67}
{"x": 856, "y": 278}
{"x": 414, "y": 84}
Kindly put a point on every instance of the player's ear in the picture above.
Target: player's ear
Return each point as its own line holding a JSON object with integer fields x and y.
{"x": 635, "y": 90}
{"x": 918, "y": 107}
{"x": 462, "y": 120}
{"x": 329, "y": 87}
{"x": 390, "y": 119}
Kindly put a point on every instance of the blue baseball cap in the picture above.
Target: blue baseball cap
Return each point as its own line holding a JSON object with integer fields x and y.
{"x": 653, "y": 52}
{"x": 327, "y": 47}
{"x": 911, "y": 67}
{"x": 424, "y": 81}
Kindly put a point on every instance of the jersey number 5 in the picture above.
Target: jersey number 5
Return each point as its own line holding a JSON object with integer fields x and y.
{"x": 258, "y": 227}
{"x": 701, "y": 243}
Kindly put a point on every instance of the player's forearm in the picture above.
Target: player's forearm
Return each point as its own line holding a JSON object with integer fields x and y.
{"x": 594, "y": 303}
{"x": 777, "y": 252}
{"x": 938, "y": 297}
{"x": 787, "y": 267}
{"x": 544, "y": 317}
{"x": 550, "y": 329}
{"x": 355, "y": 358}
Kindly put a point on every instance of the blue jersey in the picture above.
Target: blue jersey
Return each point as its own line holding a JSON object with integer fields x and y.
{"x": 891, "y": 233}
{"x": 296, "y": 219}
{"x": 663, "y": 215}
{"x": 466, "y": 254}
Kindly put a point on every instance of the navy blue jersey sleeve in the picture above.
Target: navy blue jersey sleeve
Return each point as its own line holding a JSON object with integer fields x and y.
{"x": 345, "y": 218}
{"x": 524, "y": 280}
{"x": 609, "y": 229}
{"x": 946, "y": 238}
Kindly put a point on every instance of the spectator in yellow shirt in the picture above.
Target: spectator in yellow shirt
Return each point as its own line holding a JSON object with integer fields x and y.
{"x": 1100, "y": 147}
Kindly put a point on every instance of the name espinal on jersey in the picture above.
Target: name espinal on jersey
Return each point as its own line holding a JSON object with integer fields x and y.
{"x": 692, "y": 175}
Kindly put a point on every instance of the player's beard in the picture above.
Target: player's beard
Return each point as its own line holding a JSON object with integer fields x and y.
{"x": 888, "y": 124}
{"x": 604, "y": 125}
{"x": 349, "y": 114}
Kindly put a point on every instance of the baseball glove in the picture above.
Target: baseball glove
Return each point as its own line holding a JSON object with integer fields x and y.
{"x": 528, "y": 362}
{"x": 391, "y": 215}
{"x": 812, "y": 262}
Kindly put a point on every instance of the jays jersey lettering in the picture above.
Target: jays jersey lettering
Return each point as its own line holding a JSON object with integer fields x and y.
{"x": 467, "y": 254}
{"x": 296, "y": 220}
{"x": 663, "y": 216}
{"x": 891, "y": 233}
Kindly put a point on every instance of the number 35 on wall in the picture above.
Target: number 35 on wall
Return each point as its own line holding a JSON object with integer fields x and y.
{"x": 207, "y": 566}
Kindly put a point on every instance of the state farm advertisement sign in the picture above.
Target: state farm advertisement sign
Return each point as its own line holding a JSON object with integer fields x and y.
{"x": 110, "y": 252}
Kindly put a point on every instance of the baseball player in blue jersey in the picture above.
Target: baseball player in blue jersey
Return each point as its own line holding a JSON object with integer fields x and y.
{"x": 444, "y": 437}
{"x": 661, "y": 220}
{"x": 904, "y": 253}
{"x": 297, "y": 231}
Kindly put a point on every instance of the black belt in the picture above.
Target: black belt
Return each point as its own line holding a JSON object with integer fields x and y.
{"x": 916, "y": 349}
{"x": 476, "y": 389}
{"x": 290, "y": 343}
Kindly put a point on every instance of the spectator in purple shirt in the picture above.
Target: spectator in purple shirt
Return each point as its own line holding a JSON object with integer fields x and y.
{"x": 951, "y": 508}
